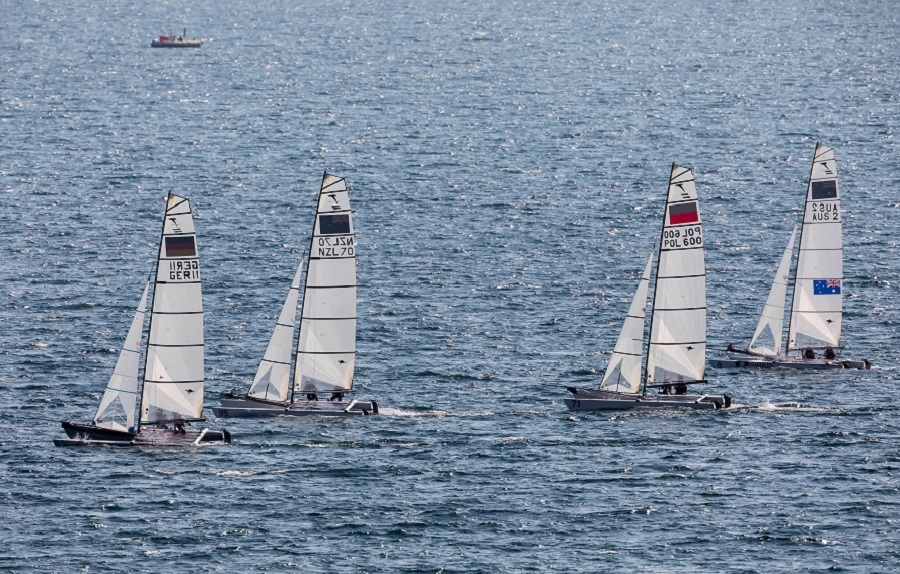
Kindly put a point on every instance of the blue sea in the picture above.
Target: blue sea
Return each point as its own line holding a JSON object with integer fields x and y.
{"x": 508, "y": 163}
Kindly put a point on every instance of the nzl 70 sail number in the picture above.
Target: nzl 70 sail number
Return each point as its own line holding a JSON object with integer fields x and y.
{"x": 335, "y": 246}
{"x": 682, "y": 237}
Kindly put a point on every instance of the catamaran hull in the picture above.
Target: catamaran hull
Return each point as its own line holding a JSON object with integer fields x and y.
{"x": 752, "y": 363}
{"x": 685, "y": 402}
{"x": 813, "y": 364}
{"x": 80, "y": 434}
{"x": 86, "y": 435}
{"x": 596, "y": 400}
{"x": 248, "y": 408}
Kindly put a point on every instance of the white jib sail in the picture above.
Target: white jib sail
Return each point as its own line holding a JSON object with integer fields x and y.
{"x": 817, "y": 303}
{"x": 677, "y": 348}
{"x": 273, "y": 377}
{"x": 623, "y": 373}
{"x": 326, "y": 349}
{"x": 767, "y": 337}
{"x": 116, "y": 410}
{"x": 173, "y": 376}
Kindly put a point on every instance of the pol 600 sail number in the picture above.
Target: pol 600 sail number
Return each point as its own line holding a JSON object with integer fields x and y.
{"x": 682, "y": 237}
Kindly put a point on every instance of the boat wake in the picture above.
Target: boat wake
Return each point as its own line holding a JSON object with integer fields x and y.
{"x": 391, "y": 412}
{"x": 766, "y": 406}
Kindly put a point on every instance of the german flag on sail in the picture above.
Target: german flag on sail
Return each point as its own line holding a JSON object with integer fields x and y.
{"x": 181, "y": 247}
{"x": 682, "y": 213}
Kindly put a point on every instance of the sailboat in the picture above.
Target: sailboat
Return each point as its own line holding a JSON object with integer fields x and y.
{"x": 816, "y": 306}
{"x": 171, "y": 396}
{"x": 326, "y": 346}
{"x": 676, "y": 351}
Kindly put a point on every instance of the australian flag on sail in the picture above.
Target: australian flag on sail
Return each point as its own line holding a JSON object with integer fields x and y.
{"x": 181, "y": 246}
{"x": 334, "y": 224}
{"x": 826, "y": 286}
{"x": 681, "y": 213}
{"x": 824, "y": 189}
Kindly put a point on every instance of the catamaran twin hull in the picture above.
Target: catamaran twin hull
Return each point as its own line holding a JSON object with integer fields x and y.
{"x": 813, "y": 364}
{"x": 89, "y": 435}
{"x": 249, "y": 408}
{"x": 599, "y": 400}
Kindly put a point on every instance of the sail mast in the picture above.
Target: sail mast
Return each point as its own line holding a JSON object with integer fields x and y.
{"x": 656, "y": 282}
{"x": 312, "y": 237}
{"x": 162, "y": 233}
{"x": 787, "y": 340}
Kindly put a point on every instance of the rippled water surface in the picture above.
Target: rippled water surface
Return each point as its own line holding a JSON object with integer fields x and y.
{"x": 507, "y": 164}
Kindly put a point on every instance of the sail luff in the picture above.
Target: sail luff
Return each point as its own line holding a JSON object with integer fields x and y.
{"x": 117, "y": 407}
{"x": 273, "y": 376}
{"x": 677, "y": 342}
{"x": 816, "y": 307}
{"x": 623, "y": 373}
{"x": 771, "y": 321}
{"x": 173, "y": 373}
{"x": 326, "y": 346}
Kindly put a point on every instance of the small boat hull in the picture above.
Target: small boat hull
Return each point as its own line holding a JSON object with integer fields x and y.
{"x": 176, "y": 44}
{"x": 743, "y": 363}
{"x": 595, "y": 400}
{"x": 249, "y": 408}
{"x": 88, "y": 435}
{"x": 805, "y": 364}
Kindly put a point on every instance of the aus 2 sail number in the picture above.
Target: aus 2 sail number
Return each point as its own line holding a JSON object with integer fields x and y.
{"x": 825, "y": 212}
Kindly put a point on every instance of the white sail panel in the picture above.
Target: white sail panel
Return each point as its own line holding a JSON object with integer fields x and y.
{"x": 327, "y": 344}
{"x": 330, "y": 303}
{"x": 338, "y": 271}
{"x": 767, "y": 337}
{"x": 273, "y": 377}
{"x": 623, "y": 373}
{"x": 817, "y": 302}
{"x": 325, "y": 373}
{"x": 677, "y": 346}
{"x": 173, "y": 376}
{"x": 117, "y": 407}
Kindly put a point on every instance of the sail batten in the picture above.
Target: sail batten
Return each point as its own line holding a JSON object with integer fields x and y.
{"x": 677, "y": 341}
{"x": 117, "y": 407}
{"x": 174, "y": 368}
{"x": 273, "y": 376}
{"x": 623, "y": 373}
{"x": 326, "y": 346}
{"x": 766, "y": 339}
{"x": 816, "y": 308}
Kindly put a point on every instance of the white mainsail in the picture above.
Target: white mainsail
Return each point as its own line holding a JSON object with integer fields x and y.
{"x": 273, "y": 377}
{"x": 116, "y": 410}
{"x": 767, "y": 337}
{"x": 173, "y": 375}
{"x": 817, "y": 301}
{"x": 677, "y": 345}
{"x": 623, "y": 373}
{"x": 326, "y": 349}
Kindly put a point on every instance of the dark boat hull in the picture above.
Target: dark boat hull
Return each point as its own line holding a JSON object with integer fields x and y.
{"x": 176, "y": 44}
{"x": 88, "y": 435}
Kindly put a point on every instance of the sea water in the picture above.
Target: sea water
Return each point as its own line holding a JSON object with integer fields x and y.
{"x": 508, "y": 164}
